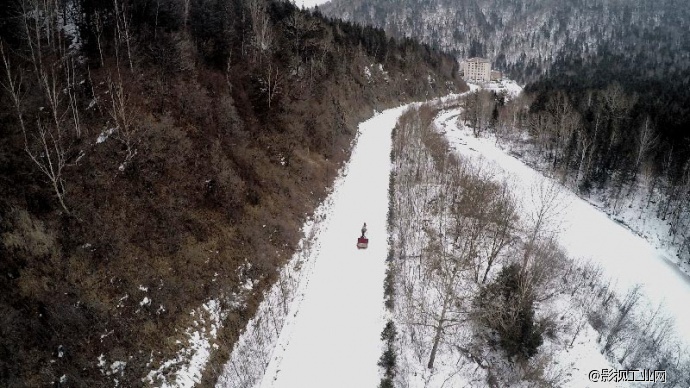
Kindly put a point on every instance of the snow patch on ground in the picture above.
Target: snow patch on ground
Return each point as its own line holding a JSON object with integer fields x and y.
{"x": 116, "y": 368}
{"x": 375, "y": 71}
{"x": 104, "y": 135}
{"x": 507, "y": 86}
{"x": 186, "y": 369}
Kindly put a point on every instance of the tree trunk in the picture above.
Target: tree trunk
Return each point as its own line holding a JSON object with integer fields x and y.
{"x": 437, "y": 337}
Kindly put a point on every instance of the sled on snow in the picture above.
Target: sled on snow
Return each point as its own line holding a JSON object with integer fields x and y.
{"x": 362, "y": 243}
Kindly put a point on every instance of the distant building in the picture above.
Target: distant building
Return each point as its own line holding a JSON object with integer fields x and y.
{"x": 496, "y": 75}
{"x": 477, "y": 70}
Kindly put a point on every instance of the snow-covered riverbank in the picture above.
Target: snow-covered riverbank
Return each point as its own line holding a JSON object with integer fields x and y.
{"x": 588, "y": 233}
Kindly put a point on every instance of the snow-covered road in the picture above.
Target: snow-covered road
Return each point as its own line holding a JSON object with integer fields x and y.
{"x": 331, "y": 337}
{"x": 586, "y": 232}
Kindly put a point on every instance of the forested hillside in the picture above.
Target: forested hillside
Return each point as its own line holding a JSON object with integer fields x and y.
{"x": 576, "y": 45}
{"x": 525, "y": 38}
{"x": 608, "y": 88}
{"x": 156, "y": 156}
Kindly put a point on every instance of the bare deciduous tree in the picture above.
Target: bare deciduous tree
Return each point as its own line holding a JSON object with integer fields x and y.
{"x": 623, "y": 320}
{"x": 122, "y": 32}
{"x": 438, "y": 304}
{"x": 547, "y": 202}
{"x": 44, "y": 144}
{"x": 49, "y": 133}
{"x": 646, "y": 140}
{"x": 97, "y": 21}
{"x": 478, "y": 108}
{"x": 185, "y": 11}
{"x": 274, "y": 81}
{"x": 447, "y": 311}
{"x": 584, "y": 142}
{"x": 503, "y": 223}
{"x": 617, "y": 104}
{"x": 261, "y": 28}
{"x": 122, "y": 117}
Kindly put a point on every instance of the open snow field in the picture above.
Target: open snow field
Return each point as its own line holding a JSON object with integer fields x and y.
{"x": 586, "y": 232}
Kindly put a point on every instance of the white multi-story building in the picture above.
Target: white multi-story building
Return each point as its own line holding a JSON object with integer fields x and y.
{"x": 477, "y": 70}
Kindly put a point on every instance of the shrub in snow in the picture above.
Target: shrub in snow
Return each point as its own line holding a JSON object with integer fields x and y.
{"x": 506, "y": 308}
{"x": 386, "y": 383}
{"x": 388, "y": 358}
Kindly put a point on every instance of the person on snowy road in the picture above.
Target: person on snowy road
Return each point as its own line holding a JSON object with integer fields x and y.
{"x": 364, "y": 229}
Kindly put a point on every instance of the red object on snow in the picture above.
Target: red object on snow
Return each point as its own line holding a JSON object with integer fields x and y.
{"x": 362, "y": 242}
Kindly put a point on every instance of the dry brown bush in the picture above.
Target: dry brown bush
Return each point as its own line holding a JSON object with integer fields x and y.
{"x": 27, "y": 234}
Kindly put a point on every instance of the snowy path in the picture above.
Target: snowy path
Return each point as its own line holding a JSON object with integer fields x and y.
{"x": 332, "y": 336}
{"x": 588, "y": 233}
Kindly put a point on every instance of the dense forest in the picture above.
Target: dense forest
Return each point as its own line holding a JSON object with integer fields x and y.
{"x": 155, "y": 155}
{"x": 526, "y": 38}
{"x": 659, "y": 104}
